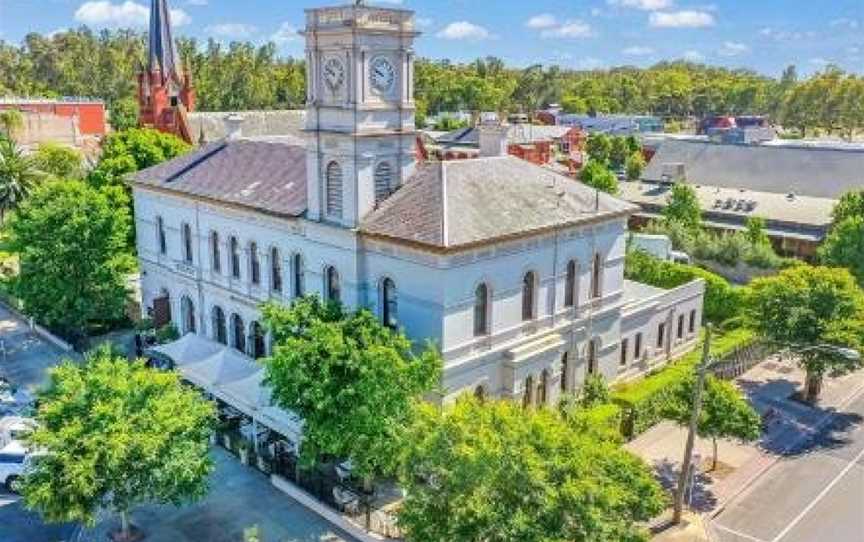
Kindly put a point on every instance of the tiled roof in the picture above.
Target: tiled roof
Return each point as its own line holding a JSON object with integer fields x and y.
{"x": 466, "y": 202}
{"x": 265, "y": 174}
{"x": 814, "y": 172}
{"x": 255, "y": 123}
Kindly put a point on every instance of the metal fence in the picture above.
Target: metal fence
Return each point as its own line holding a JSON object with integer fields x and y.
{"x": 741, "y": 360}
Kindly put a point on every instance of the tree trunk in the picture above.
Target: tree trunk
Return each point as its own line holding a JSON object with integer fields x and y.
{"x": 813, "y": 386}
{"x": 714, "y": 459}
{"x": 124, "y": 524}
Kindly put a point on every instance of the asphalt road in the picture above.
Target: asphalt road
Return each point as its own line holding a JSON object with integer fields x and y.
{"x": 815, "y": 493}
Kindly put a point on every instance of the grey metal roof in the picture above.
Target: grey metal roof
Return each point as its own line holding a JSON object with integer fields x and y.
{"x": 162, "y": 49}
{"x": 466, "y": 202}
{"x": 814, "y": 172}
{"x": 255, "y": 123}
{"x": 516, "y": 134}
{"x": 267, "y": 174}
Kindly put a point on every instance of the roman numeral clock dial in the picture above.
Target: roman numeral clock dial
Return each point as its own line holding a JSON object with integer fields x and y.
{"x": 382, "y": 75}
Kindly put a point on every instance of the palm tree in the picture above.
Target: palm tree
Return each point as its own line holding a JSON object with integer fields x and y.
{"x": 18, "y": 176}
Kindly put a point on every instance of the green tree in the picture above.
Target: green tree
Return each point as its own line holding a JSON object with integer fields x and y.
{"x": 134, "y": 150}
{"x": 844, "y": 247}
{"x": 19, "y": 176}
{"x": 116, "y": 434}
{"x": 70, "y": 239}
{"x": 755, "y": 232}
{"x": 725, "y": 412}
{"x": 851, "y": 205}
{"x": 59, "y": 161}
{"x": 810, "y": 306}
{"x": 11, "y": 122}
{"x": 574, "y": 104}
{"x": 683, "y": 206}
{"x": 597, "y": 175}
{"x": 634, "y": 166}
{"x": 123, "y": 114}
{"x": 599, "y": 148}
{"x": 619, "y": 152}
{"x": 350, "y": 378}
{"x": 492, "y": 471}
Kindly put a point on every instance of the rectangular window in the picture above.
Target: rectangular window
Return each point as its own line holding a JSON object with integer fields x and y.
{"x": 692, "y": 327}
{"x": 661, "y": 334}
{"x": 624, "y": 345}
{"x": 681, "y": 326}
{"x": 637, "y": 347}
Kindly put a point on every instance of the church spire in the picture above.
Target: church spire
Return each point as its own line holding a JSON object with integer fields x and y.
{"x": 163, "y": 51}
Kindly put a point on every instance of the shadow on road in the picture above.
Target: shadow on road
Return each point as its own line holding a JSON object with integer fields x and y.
{"x": 702, "y": 499}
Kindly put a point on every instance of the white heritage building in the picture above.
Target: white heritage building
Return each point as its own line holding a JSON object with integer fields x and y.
{"x": 515, "y": 272}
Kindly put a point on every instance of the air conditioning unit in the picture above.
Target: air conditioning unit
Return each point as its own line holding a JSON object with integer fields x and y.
{"x": 673, "y": 172}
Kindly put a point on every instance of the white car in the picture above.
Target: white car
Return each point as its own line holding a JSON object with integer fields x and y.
{"x": 13, "y": 462}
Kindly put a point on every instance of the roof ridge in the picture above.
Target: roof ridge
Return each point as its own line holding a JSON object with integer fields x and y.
{"x": 197, "y": 161}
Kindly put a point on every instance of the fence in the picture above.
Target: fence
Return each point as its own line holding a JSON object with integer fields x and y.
{"x": 741, "y": 360}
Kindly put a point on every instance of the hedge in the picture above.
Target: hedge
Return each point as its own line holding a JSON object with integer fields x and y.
{"x": 604, "y": 420}
{"x": 644, "y": 402}
{"x": 722, "y": 300}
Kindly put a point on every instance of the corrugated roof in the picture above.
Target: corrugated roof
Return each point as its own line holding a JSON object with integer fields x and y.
{"x": 516, "y": 134}
{"x": 267, "y": 174}
{"x": 465, "y": 202}
{"x": 255, "y": 123}
{"x": 815, "y": 172}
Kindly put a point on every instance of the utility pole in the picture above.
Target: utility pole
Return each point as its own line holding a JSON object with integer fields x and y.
{"x": 694, "y": 422}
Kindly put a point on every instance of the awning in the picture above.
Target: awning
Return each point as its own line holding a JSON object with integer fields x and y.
{"x": 234, "y": 378}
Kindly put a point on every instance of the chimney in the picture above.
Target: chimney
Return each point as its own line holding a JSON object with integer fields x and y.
{"x": 493, "y": 140}
{"x": 234, "y": 126}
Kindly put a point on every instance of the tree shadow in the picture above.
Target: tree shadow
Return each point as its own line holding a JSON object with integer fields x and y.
{"x": 702, "y": 499}
{"x": 790, "y": 426}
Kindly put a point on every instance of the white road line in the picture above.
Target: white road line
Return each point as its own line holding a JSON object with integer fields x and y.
{"x": 738, "y": 533}
{"x": 818, "y": 498}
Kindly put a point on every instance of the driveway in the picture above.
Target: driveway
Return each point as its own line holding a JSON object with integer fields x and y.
{"x": 27, "y": 356}
{"x": 240, "y": 497}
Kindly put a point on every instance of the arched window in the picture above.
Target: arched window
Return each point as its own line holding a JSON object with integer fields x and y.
{"x": 541, "y": 387}
{"x": 528, "y": 393}
{"x": 481, "y": 310}
{"x": 565, "y": 373}
{"x": 238, "y": 333}
{"x": 592, "y": 357}
{"x": 596, "y": 277}
{"x": 187, "y": 313}
{"x": 383, "y": 181}
{"x": 332, "y": 288}
{"x": 275, "y": 270}
{"x": 234, "y": 248}
{"x": 570, "y": 285}
{"x": 334, "y": 189}
{"x": 259, "y": 348}
{"x": 215, "y": 253}
{"x": 528, "y": 287}
{"x": 254, "y": 263}
{"x": 299, "y": 274}
{"x": 187, "y": 243}
{"x": 160, "y": 235}
{"x": 389, "y": 303}
{"x": 220, "y": 330}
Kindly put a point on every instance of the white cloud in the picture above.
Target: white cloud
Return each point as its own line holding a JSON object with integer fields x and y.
{"x": 544, "y": 20}
{"x": 845, "y": 22}
{"x": 638, "y": 50}
{"x": 463, "y": 30}
{"x": 645, "y": 5}
{"x": 681, "y": 19}
{"x": 196, "y": 2}
{"x": 103, "y": 13}
{"x": 819, "y": 61}
{"x": 786, "y": 35}
{"x": 573, "y": 29}
{"x": 733, "y": 48}
{"x": 694, "y": 56}
{"x": 231, "y": 30}
{"x": 596, "y": 12}
{"x": 287, "y": 33}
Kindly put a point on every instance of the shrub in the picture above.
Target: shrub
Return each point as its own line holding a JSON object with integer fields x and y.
{"x": 603, "y": 420}
{"x": 595, "y": 391}
{"x": 646, "y": 402}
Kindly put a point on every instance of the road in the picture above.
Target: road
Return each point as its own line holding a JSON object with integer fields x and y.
{"x": 816, "y": 492}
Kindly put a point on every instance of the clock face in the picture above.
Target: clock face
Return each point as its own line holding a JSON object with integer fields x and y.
{"x": 334, "y": 74}
{"x": 382, "y": 75}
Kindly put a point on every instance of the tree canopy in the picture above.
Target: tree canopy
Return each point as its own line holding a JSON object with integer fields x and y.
{"x": 116, "y": 434}
{"x": 352, "y": 380}
{"x": 683, "y": 206}
{"x": 19, "y": 175}
{"x": 809, "y": 306}
{"x": 597, "y": 175}
{"x": 59, "y": 161}
{"x": 133, "y": 150}
{"x": 70, "y": 239}
{"x": 495, "y": 472}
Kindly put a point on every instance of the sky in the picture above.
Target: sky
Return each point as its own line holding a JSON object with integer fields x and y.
{"x": 764, "y": 35}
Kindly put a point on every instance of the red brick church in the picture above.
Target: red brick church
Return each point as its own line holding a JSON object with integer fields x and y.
{"x": 165, "y": 91}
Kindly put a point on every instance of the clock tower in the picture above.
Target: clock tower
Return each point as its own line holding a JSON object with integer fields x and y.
{"x": 360, "y": 109}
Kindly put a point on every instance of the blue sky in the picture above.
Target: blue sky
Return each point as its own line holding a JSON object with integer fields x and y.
{"x": 765, "y": 35}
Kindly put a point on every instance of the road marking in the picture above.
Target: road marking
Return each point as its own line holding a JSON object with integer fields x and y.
{"x": 738, "y": 533}
{"x": 819, "y": 497}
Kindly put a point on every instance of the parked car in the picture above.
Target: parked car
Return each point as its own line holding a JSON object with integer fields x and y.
{"x": 15, "y": 458}
{"x": 13, "y": 401}
{"x": 13, "y": 429}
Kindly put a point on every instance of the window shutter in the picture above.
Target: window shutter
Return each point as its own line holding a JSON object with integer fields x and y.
{"x": 383, "y": 181}
{"x": 334, "y": 190}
